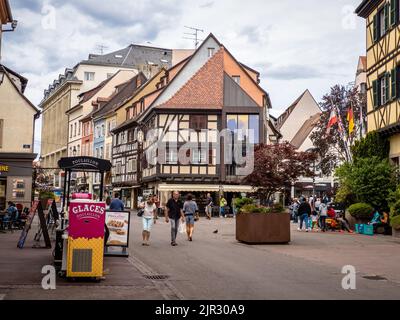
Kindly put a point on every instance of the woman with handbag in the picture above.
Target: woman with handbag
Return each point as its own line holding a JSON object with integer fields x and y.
{"x": 148, "y": 212}
{"x": 190, "y": 210}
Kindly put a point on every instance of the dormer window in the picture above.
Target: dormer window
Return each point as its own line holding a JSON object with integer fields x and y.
{"x": 211, "y": 52}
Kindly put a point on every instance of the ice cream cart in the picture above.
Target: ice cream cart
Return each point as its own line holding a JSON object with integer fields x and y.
{"x": 80, "y": 243}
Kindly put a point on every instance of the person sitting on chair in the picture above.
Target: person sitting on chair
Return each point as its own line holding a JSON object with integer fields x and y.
{"x": 12, "y": 212}
{"x": 383, "y": 223}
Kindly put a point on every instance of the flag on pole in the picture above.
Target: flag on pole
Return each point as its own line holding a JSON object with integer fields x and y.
{"x": 350, "y": 119}
{"x": 333, "y": 119}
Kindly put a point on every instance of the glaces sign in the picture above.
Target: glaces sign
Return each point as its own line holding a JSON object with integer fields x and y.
{"x": 88, "y": 211}
{"x": 86, "y": 219}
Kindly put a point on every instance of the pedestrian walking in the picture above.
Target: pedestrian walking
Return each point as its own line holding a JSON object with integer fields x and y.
{"x": 209, "y": 206}
{"x": 116, "y": 203}
{"x": 304, "y": 213}
{"x": 157, "y": 202}
{"x": 174, "y": 213}
{"x": 234, "y": 209}
{"x": 222, "y": 205}
{"x": 190, "y": 209}
{"x": 323, "y": 214}
{"x": 148, "y": 218}
{"x": 294, "y": 210}
{"x": 108, "y": 202}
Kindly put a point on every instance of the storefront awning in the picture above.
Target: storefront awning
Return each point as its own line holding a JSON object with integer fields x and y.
{"x": 204, "y": 188}
{"x": 232, "y": 188}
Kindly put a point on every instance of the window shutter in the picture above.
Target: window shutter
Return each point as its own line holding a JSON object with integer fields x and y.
{"x": 387, "y": 79}
{"x": 386, "y": 13}
{"x": 393, "y": 12}
{"x": 393, "y": 79}
{"x": 375, "y": 92}
{"x": 210, "y": 156}
{"x": 375, "y": 28}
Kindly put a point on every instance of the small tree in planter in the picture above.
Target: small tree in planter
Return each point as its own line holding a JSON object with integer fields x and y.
{"x": 276, "y": 167}
{"x": 361, "y": 212}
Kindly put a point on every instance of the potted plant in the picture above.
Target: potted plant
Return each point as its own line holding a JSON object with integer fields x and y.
{"x": 362, "y": 213}
{"x": 261, "y": 225}
{"x": 44, "y": 198}
{"x": 276, "y": 167}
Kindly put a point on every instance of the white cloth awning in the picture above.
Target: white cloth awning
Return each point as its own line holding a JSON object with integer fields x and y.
{"x": 188, "y": 187}
{"x": 204, "y": 188}
{"x": 233, "y": 188}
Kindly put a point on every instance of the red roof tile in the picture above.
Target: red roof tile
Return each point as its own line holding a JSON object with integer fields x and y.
{"x": 204, "y": 90}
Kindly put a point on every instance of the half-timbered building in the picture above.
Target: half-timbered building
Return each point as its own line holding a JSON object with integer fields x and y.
{"x": 177, "y": 141}
{"x": 383, "y": 69}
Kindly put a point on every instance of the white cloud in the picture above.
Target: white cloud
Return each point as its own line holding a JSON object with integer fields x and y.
{"x": 296, "y": 45}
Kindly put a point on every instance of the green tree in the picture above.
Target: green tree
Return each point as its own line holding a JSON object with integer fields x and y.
{"x": 368, "y": 180}
{"x": 373, "y": 145}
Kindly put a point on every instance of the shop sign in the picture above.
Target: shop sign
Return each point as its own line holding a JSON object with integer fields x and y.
{"x": 86, "y": 219}
{"x": 4, "y": 168}
{"x": 118, "y": 224}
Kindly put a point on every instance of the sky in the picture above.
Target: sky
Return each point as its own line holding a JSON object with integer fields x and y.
{"x": 295, "y": 45}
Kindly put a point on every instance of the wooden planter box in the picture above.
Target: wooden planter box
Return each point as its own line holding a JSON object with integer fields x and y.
{"x": 257, "y": 228}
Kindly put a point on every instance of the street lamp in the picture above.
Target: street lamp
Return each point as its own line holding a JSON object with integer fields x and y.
{"x": 313, "y": 150}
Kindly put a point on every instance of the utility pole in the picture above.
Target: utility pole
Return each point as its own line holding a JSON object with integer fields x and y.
{"x": 194, "y": 35}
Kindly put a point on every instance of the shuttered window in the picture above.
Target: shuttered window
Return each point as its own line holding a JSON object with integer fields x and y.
{"x": 393, "y": 79}
{"x": 1, "y": 132}
{"x": 386, "y": 12}
{"x": 376, "y": 28}
{"x": 375, "y": 93}
{"x": 387, "y": 87}
{"x": 393, "y": 12}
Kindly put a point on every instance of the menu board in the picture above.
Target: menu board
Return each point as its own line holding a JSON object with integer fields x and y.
{"x": 118, "y": 224}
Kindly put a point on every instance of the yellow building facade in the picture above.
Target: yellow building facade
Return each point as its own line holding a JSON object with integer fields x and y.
{"x": 383, "y": 69}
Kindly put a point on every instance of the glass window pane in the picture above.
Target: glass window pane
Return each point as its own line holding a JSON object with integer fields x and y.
{"x": 243, "y": 122}
{"x": 254, "y": 125}
{"x": 232, "y": 122}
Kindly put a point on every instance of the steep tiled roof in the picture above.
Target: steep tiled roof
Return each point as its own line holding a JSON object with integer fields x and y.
{"x": 204, "y": 89}
{"x": 284, "y": 116}
{"x": 86, "y": 96}
{"x": 305, "y": 130}
{"x": 133, "y": 56}
{"x": 20, "y": 91}
{"x": 125, "y": 92}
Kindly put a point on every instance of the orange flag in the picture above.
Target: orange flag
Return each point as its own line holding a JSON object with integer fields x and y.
{"x": 350, "y": 119}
